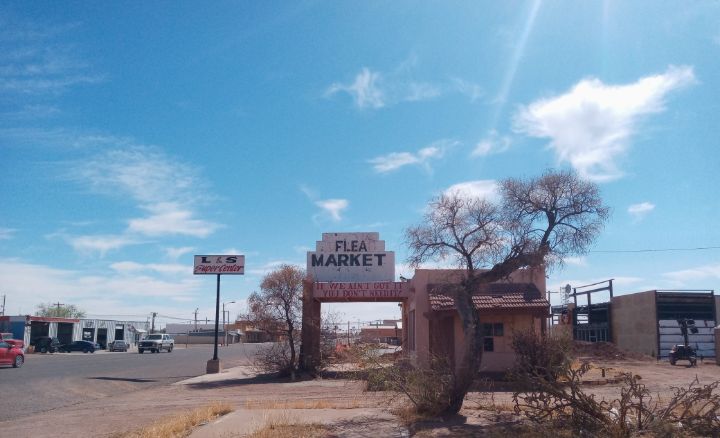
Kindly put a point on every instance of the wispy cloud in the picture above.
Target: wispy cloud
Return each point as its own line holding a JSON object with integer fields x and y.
{"x": 373, "y": 89}
{"x": 709, "y": 272}
{"x": 176, "y": 253}
{"x": 7, "y": 233}
{"x": 483, "y": 189}
{"x": 129, "y": 267}
{"x": 333, "y": 208}
{"x": 493, "y": 143}
{"x": 590, "y": 126}
{"x": 396, "y": 160}
{"x": 169, "y": 218}
{"x": 364, "y": 90}
{"x": 101, "y": 244}
{"x": 639, "y": 211}
{"x": 36, "y": 61}
{"x": 83, "y": 289}
{"x": 168, "y": 190}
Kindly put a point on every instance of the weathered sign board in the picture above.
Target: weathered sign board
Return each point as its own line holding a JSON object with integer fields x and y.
{"x": 361, "y": 291}
{"x": 219, "y": 264}
{"x": 351, "y": 257}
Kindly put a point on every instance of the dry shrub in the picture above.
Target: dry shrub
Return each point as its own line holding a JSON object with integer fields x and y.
{"x": 303, "y": 404}
{"x": 284, "y": 426}
{"x": 182, "y": 424}
{"x": 547, "y": 356}
{"x": 553, "y": 396}
{"x": 428, "y": 389}
{"x": 276, "y": 359}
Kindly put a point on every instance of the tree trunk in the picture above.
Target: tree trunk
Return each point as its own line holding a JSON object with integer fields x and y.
{"x": 473, "y": 346}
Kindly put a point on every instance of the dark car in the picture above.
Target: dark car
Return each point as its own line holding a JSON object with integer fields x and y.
{"x": 84, "y": 346}
{"x": 46, "y": 344}
{"x": 118, "y": 346}
{"x": 683, "y": 352}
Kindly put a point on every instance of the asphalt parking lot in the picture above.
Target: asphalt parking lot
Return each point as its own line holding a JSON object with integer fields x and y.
{"x": 51, "y": 381}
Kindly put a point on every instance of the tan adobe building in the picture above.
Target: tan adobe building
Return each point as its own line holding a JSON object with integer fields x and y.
{"x": 433, "y": 326}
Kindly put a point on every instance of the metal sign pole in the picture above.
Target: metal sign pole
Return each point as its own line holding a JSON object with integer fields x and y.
{"x": 217, "y": 317}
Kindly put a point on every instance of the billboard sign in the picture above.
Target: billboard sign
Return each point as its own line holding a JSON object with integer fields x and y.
{"x": 351, "y": 257}
{"x": 365, "y": 291}
{"x": 219, "y": 264}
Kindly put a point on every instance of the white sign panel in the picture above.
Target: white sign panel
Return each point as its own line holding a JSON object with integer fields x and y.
{"x": 219, "y": 264}
{"x": 351, "y": 257}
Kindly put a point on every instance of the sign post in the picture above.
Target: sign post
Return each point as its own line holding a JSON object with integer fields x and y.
{"x": 218, "y": 265}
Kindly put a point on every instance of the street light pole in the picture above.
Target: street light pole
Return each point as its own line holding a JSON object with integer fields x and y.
{"x": 224, "y": 325}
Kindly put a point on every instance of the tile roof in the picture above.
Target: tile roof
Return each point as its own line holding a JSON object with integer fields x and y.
{"x": 495, "y": 296}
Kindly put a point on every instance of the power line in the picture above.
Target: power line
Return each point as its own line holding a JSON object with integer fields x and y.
{"x": 700, "y": 248}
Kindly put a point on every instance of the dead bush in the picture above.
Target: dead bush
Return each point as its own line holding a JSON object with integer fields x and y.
{"x": 277, "y": 358}
{"x": 546, "y": 356}
{"x": 428, "y": 389}
{"x": 557, "y": 399}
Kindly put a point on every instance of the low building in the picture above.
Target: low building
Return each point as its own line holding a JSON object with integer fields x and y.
{"x": 647, "y": 322}
{"x": 386, "y": 332}
{"x": 434, "y": 328}
{"x": 29, "y": 328}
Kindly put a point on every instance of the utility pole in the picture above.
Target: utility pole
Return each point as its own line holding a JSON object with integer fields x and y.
{"x": 196, "y": 312}
{"x": 3, "y": 306}
{"x": 58, "y": 304}
{"x": 152, "y": 328}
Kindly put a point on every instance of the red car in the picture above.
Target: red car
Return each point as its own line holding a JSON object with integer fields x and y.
{"x": 11, "y": 355}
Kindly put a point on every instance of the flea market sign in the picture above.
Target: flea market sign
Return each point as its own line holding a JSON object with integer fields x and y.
{"x": 219, "y": 264}
{"x": 351, "y": 257}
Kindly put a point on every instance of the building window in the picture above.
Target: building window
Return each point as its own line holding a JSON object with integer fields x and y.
{"x": 490, "y": 331}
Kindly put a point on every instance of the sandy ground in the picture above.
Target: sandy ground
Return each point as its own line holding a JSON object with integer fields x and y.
{"x": 341, "y": 404}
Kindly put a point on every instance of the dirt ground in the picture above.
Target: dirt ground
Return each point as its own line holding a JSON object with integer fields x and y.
{"x": 112, "y": 416}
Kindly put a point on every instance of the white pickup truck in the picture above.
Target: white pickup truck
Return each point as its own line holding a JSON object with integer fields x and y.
{"x": 156, "y": 343}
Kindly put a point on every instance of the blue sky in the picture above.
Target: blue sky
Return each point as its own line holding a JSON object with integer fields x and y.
{"x": 134, "y": 135}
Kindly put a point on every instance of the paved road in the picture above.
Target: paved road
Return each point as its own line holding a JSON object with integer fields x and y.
{"x": 50, "y": 381}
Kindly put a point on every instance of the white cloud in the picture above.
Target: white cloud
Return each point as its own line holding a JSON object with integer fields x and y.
{"x": 396, "y": 160}
{"x": 176, "y": 253}
{"x": 333, "y": 207}
{"x": 101, "y": 244}
{"x": 493, "y": 143}
{"x": 483, "y": 189}
{"x": 575, "y": 261}
{"x": 639, "y": 211}
{"x": 74, "y": 287}
{"x": 129, "y": 267}
{"x": 364, "y": 91}
{"x": 164, "y": 187}
{"x": 271, "y": 266}
{"x": 374, "y": 90}
{"x": 171, "y": 219}
{"x": 706, "y": 272}
{"x": 590, "y": 126}
{"x": 7, "y": 233}
{"x": 471, "y": 90}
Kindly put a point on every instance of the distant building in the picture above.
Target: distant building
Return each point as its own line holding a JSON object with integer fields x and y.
{"x": 103, "y": 331}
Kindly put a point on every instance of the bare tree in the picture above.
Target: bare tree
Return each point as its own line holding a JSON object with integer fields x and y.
{"x": 61, "y": 311}
{"x": 539, "y": 221}
{"x": 277, "y": 309}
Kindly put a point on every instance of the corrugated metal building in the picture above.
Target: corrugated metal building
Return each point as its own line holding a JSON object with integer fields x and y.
{"x": 102, "y": 331}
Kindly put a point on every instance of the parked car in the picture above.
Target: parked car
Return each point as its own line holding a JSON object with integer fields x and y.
{"x": 84, "y": 346}
{"x": 118, "y": 346}
{"x": 8, "y": 337}
{"x": 11, "y": 355}
{"x": 156, "y": 343}
{"x": 46, "y": 344}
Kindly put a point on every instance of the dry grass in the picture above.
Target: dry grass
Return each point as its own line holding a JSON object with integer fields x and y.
{"x": 304, "y": 404}
{"x": 182, "y": 424}
{"x": 283, "y": 425}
